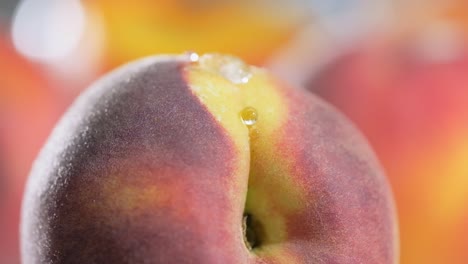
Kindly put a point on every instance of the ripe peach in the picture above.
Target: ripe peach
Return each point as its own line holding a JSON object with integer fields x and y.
{"x": 205, "y": 160}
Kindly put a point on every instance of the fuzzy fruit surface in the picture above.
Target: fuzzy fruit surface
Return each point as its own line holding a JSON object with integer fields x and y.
{"x": 173, "y": 160}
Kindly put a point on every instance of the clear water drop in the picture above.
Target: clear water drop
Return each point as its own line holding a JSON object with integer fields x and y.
{"x": 249, "y": 116}
{"x": 236, "y": 71}
{"x": 229, "y": 67}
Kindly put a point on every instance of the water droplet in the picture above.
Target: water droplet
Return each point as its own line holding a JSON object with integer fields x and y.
{"x": 193, "y": 56}
{"x": 231, "y": 68}
{"x": 236, "y": 71}
{"x": 249, "y": 116}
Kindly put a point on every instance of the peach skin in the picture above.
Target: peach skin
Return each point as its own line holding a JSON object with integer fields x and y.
{"x": 204, "y": 159}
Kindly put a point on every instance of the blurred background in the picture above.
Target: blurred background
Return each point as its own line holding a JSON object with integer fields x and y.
{"x": 397, "y": 68}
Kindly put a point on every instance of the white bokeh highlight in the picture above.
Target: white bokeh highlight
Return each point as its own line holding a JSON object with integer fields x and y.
{"x": 48, "y": 30}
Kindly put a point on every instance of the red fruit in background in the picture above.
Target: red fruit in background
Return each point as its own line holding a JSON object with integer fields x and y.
{"x": 28, "y": 110}
{"x": 409, "y": 96}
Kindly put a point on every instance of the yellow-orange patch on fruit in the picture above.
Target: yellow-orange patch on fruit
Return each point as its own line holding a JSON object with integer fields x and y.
{"x": 132, "y": 195}
{"x": 128, "y": 198}
{"x": 213, "y": 90}
{"x": 247, "y": 103}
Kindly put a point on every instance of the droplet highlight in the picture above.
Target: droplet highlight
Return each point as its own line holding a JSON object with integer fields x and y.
{"x": 230, "y": 68}
{"x": 193, "y": 56}
{"x": 249, "y": 116}
{"x": 236, "y": 71}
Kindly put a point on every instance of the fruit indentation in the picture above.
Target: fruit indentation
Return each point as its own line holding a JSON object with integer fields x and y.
{"x": 265, "y": 193}
{"x": 253, "y": 231}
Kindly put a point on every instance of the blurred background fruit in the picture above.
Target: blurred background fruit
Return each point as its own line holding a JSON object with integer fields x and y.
{"x": 250, "y": 29}
{"x": 336, "y": 26}
{"x": 28, "y": 110}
